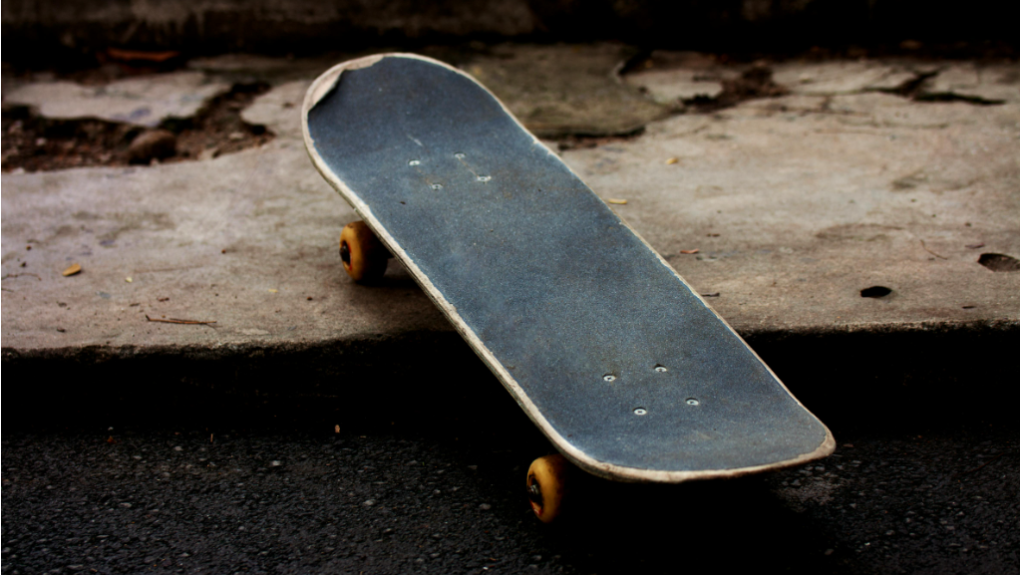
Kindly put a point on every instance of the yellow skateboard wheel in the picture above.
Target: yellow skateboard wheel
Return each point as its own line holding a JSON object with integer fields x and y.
{"x": 547, "y": 485}
{"x": 363, "y": 255}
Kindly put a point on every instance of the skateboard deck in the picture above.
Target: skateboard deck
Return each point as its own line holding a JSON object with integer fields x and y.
{"x": 618, "y": 361}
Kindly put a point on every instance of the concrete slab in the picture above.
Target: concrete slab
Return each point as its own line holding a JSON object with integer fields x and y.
{"x": 669, "y": 87}
{"x": 242, "y": 67}
{"x": 276, "y": 109}
{"x": 246, "y": 240}
{"x": 566, "y": 90}
{"x": 142, "y": 101}
{"x": 795, "y": 205}
{"x": 795, "y": 210}
{"x": 991, "y": 82}
{"x": 997, "y": 82}
{"x": 841, "y": 77}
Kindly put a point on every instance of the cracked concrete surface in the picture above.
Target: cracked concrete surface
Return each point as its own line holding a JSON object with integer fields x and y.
{"x": 794, "y": 204}
{"x": 669, "y": 78}
{"x": 833, "y": 78}
{"x": 795, "y": 207}
{"x": 988, "y": 82}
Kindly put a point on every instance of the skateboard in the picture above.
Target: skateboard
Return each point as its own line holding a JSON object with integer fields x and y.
{"x": 619, "y": 362}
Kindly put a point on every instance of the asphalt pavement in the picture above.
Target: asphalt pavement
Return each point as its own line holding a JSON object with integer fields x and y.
{"x": 429, "y": 478}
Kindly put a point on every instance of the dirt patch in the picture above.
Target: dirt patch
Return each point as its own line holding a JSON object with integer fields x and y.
{"x": 999, "y": 262}
{"x": 688, "y": 82}
{"x": 755, "y": 82}
{"x": 584, "y": 142}
{"x": 32, "y": 143}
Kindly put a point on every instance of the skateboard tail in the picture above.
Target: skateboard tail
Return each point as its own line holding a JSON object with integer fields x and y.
{"x": 321, "y": 90}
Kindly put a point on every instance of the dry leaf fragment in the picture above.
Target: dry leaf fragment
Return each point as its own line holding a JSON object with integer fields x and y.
{"x": 143, "y": 56}
{"x": 273, "y": 290}
{"x": 694, "y": 251}
{"x": 75, "y": 268}
{"x": 616, "y": 201}
{"x": 672, "y": 161}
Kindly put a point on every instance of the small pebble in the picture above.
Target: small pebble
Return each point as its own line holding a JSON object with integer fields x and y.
{"x": 152, "y": 145}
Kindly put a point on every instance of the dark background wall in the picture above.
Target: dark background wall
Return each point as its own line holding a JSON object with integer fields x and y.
{"x": 37, "y": 28}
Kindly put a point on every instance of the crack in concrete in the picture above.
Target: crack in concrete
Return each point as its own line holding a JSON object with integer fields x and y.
{"x": 754, "y": 83}
{"x": 914, "y": 89}
{"x": 34, "y": 142}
